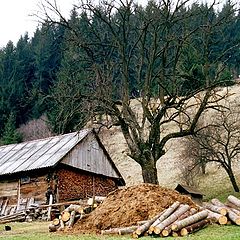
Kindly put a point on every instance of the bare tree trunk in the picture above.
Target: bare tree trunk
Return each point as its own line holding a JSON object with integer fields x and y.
{"x": 149, "y": 173}
{"x": 232, "y": 179}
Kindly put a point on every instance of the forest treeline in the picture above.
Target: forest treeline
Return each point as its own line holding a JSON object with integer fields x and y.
{"x": 48, "y": 74}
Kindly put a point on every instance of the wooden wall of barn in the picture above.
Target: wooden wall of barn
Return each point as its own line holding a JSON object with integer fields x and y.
{"x": 26, "y": 187}
{"x": 76, "y": 184}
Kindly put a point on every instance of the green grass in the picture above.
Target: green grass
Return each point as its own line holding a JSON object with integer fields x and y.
{"x": 39, "y": 231}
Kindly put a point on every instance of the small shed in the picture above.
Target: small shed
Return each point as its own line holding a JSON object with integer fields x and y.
{"x": 71, "y": 166}
{"x": 195, "y": 195}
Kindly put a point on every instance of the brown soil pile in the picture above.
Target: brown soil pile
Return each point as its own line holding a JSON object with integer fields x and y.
{"x": 125, "y": 207}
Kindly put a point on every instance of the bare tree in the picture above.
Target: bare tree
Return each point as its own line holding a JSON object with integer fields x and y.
{"x": 35, "y": 129}
{"x": 193, "y": 161}
{"x": 220, "y": 142}
{"x": 147, "y": 45}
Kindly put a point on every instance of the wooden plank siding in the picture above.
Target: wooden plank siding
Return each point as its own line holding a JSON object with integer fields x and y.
{"x": 89, "y": 156}
{"x": 36, "y": 188}
{"x": 9, "y": 189}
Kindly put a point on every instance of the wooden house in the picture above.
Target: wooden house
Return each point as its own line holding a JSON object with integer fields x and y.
{"x": 71, "y": 166}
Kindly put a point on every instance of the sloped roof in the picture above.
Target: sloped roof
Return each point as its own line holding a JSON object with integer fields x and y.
{"x": 180, "y": 188}
{"x": 42, "y": 153}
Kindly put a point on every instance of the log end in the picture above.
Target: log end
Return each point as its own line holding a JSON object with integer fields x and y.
{"x": 223, "y": 211}
{"x": 165, "y": 232}
{"x": 138, "y": 232}
{"x": 222, "y": 220}
{"x": 150, "y": 230}
{"x": 52, "y": 228}
{"x": 175, "y": 234}
{"x": 56, "y": 221}
{"x": 134, "y": 235}
{"x": 65, "y": 216}
{"x": 238, "y": 221}
{"x": 184, "y": 232}
{"x": 174, "y": 227}
{"x": 157, "y": 230}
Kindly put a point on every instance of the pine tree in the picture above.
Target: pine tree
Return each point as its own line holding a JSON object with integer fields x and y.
{"x": 10, "y": 134}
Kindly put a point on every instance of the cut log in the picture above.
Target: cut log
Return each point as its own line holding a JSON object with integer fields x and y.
{"x": 234, "y": 200}
{"x": 97, "y": 199}
{"x": 195, "y": 227}
{"x": 74, "y": 207}
{"x": 61, "y": 228}
{"x": 234, "y": 210}
{"x": 172, "y": 218}
{"x": 144, "y": 227}
{"x": 62, "y": 204}
{"x": 234, "y": 217}
{"x": 175, "y": 234}
{"x": 228, "y": 205}
{"x": 166, "y": 232}
{"x": 52, "y": 228}
{"x": 65, "y": 216}
{"x": 56, "y": 221}
{"x": 72, "y": 219}
{"x": 165, "y": 215}
{"x": 120, "y": 231}
{"x": 217, "y": 218}
{"x": 232, "y": 206}
{"x": 142, "y": 222}
{"x": 127, "y": 230}
{"x": 189, "y": 220}
{"x": 217, "y": 209}
{"x": 216, "y": 202}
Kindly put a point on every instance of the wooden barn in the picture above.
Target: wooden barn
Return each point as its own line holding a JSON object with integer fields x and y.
{"x": 72, "y": 166}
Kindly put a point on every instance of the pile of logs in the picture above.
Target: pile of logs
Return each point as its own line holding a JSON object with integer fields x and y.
{"x": 72, "y": 213}
{"x": 181, "y": 220}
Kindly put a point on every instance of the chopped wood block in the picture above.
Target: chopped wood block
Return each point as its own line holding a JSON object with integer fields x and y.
{"x": 56, "y": 221}
{"x": 165, "y": 232}
{"x": 52, "y": 228}
{"x": 65, "y": 216}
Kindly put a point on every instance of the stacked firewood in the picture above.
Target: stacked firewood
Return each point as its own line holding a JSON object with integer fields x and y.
{"x": 72, "y": 213}
{"x": 181, "y": 220}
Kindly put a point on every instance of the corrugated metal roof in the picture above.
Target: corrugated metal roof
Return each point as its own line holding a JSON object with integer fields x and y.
{"x": 37, "y": 154}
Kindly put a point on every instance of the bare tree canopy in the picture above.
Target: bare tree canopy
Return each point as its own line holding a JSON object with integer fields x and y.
{"x": 220, "y": 142}
{"x": 166, "y": 49}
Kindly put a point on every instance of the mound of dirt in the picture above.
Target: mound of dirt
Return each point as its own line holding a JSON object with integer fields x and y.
{"x": 125, "y": 207}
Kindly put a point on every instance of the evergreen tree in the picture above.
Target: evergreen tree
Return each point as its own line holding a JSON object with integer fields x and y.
{"x": 10, "y": 134}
